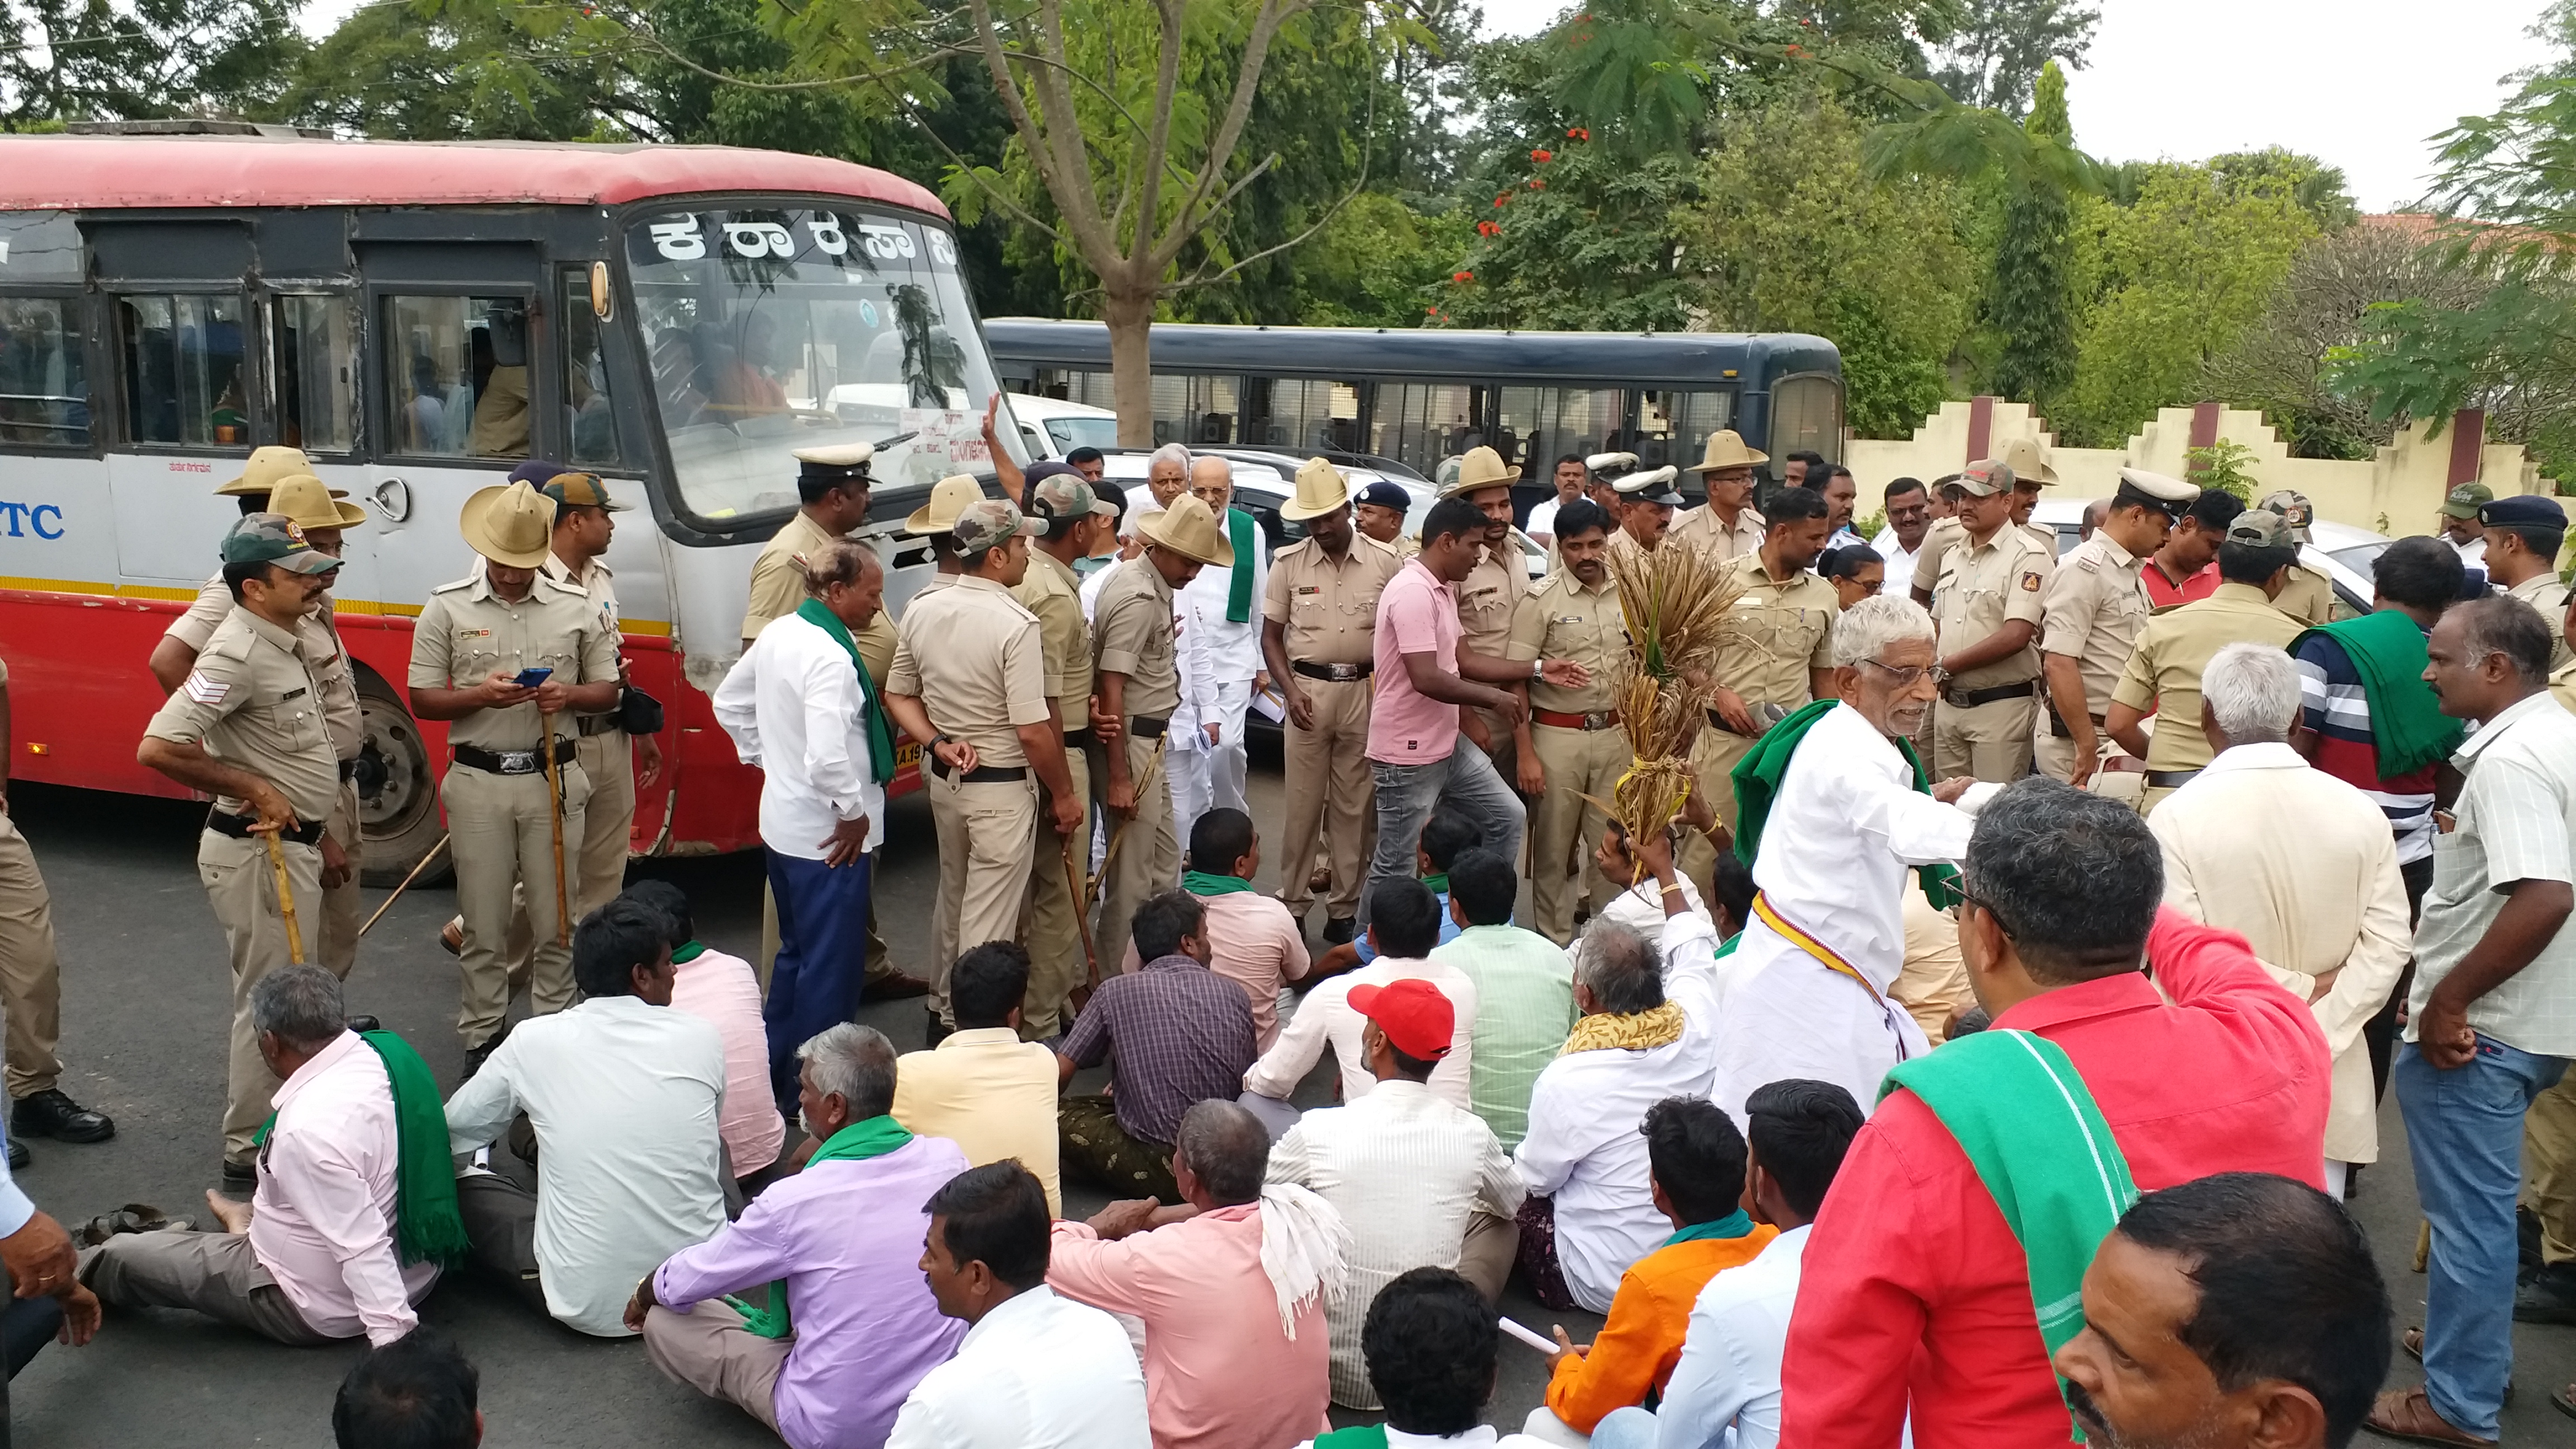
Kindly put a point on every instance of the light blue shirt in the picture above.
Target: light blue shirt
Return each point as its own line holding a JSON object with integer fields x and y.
{"x": 1729, "y": 1374}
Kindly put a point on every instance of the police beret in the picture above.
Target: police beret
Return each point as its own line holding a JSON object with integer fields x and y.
{"x": 2524, "y": 510}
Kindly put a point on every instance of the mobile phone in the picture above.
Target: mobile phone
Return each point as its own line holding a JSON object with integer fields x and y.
{"x": 531, "y": 677}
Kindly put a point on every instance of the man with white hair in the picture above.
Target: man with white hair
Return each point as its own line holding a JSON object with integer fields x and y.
{"x": 1167, "y": 476}
{"x": 1835, "y": 808}
{"x": 1221, "y": 665}
{"x": 2298, "y": 863}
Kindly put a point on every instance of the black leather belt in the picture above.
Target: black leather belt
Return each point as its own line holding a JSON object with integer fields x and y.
{"x": 1149, "y": 727}
{"x": 2057, "y": 722}
{"x": 980, "y": 775}
{"x": 511, "y": 762}
{"x": 1333, "y": 673}
{"x": 2169, "y": 779}
{"x": 239, "y": 828}
{"x": 1971, "y": 698}
{"x": 1081, "y": 739}
{"x": 348, "y": 771}
{"x": 589, "y": 725}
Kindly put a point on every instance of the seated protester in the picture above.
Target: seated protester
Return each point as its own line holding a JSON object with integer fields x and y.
{"x": 1254, "y": 942}
{"x": 1443, "y": 838}
{"x": 1698, "y": 1165}
{"x": 982, "y": 1087}
{"x": 1636, "y": 908}
{"x": 2241, "y": 1309}
{"x": 1420, "y": 1181}
{"x": 623, "y": 1093}
{"x": 1645, "y": 1035}
{"x": 1429, "y": 1341}
{"x": 417, "y": 1392}
{"x": 1175, "y": 1033}
{"x": 1033, "y": 1368}
{"x": 838, "y": 1326}
{"x": 1727, "y": 1382}
{"x": 1402, "y": 916}
{"x": 344, "y": 1231}
{"x": 1524, "y": 992}
{"x": 1230, "y": 1286}
{"x": 723, "y": 992}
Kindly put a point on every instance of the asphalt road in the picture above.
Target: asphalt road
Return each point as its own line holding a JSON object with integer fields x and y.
{"x": 144, "y": 1002}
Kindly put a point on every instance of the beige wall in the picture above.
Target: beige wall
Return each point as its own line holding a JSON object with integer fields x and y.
{"x": 2395, "y": 492}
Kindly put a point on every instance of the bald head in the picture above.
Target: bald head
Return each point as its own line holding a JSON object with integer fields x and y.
{"x": 1212, "y": 482}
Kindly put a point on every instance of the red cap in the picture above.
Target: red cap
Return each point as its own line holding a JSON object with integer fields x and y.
{"x": 1413, "y": 1014}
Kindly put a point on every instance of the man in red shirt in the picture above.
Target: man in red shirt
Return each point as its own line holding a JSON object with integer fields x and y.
{"x": 2186, "y": 568}
{"x": 1915, "y": 1287}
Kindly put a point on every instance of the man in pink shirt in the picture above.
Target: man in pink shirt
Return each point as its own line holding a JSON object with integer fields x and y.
{"x": 319, "y": 1252}
{"x": 1254, "y": 942}
{"x": 1235, "y": 1351}
{"x": 722, "y": 991}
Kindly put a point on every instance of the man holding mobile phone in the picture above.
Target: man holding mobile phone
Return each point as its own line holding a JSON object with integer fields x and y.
{"x": 473, "y": 653}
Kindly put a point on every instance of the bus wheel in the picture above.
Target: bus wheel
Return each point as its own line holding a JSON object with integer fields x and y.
{"x": 397, "y": 790}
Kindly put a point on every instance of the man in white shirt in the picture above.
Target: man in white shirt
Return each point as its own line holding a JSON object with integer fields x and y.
{"x": 1221, "y": 660}
{"x": 1726, "y": 1388}
{"x": 1909, "y": 518}
{"x": 1643, "y": 1036}
{"x": 2458, "y": 520}
{"x": 623, "y": 1093}
{"x": 313, "y": 1256}
{"x": 1404, "y": 924}
{"x": 801, "y": 707}
{"x": 1430, "y": 1342}
{"x": 1422, "y": 1183}
{"x": 1572, "y": 477}
{"x": 1035, "y": 1371}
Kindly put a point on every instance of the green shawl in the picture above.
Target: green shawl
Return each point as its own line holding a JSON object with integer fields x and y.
{"x": 1757, "y": 784}
{"x": 2406, "y": 721}
{"x": 1239, "y": 529}
{"x": 427, "y": 1227}
{"x": 1734, "y": 1225}
{"x": 2022, "y": 1114}
{"x": 874, "y": 1137}
{"x": 880, "y": 731}
{"x": 1200, "y": 883}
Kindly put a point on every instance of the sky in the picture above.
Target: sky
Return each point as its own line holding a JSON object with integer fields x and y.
{"x": 2360, "y": 84}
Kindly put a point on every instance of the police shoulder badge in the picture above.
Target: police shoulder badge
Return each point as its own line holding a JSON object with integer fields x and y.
{"x": 2030, "y": 583}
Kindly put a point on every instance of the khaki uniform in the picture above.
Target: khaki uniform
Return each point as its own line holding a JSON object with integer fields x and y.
{"x": 31, "y": 977}
{"x": 1945, "y": 534}
{"x": 1131, "y": 634}
{"x": 973, "y": 656}
{"x": 2308, "y": 598}
{"x": 1577, "y": 737}
{"x": 499, "y": 814}
{"x": 1700, "y": 528}
{"x": 1981, "y": 589}
{"x": 1327, "y": 615}
{"x": 2545, "y": 593}
{"x": 2095, "y": 606}
{"x": 251, "y": 702}
{"x": 1487, "y": 600}
{"x": 2164, "y": 675}
{"x": 1778, "y": 631}
{"x": 1051, "y": 592}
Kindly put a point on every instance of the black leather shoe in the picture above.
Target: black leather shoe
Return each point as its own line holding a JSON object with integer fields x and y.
{"x": 19, "y": 1156}
{"x": 241, "y": 1179}
{"x": 2549, "y": 1296}
{"x": 50, "y": 1113}
{"x": 1340, "y": 931}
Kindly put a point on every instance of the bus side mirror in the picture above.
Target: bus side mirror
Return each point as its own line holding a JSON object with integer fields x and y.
{"x": 600, "y": 301}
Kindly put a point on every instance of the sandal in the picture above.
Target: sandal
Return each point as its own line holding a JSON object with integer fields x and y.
{"x": 2406, "y": 1414}
{"x": 134, "y": 1217}
{"x": 2414, "y": 1343}
{"x": 2565, "y": 1404}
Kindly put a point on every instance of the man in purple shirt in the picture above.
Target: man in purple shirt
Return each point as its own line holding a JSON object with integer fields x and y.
{"x": 832, "y": 1253}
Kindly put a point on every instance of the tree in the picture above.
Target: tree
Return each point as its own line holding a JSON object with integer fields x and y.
{"x": 2028, "y": 304}
{"x": 1993, "y": 55}
{"x": 79, "y": 60}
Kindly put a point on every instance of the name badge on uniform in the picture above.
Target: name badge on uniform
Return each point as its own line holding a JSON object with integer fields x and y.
{"x": 1304, "y": 589}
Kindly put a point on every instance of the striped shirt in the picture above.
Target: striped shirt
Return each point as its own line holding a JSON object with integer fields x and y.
{"x": 2337, "y": 710}
{"x": 1524, "y": 1010}
{"x": 2515, "y": 821}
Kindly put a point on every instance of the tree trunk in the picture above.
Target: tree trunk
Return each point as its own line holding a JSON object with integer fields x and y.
{"x": 1130, "y": 315}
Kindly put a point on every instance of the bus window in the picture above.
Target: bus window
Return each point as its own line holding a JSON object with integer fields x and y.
{"x": 1199, "y": 412}
{"x": 1807, "y": 416}
{"x": 1550, "y": 422}
{"x": 183, "y": 370}
{"x": 44, "y": 393}
{"x": 317, "y": 374}
{"x": 1673, "y": 427}
{"x": 589, "y": 422}
{"x": 1303, "y": 416}
{"x": 456, "y": 369}
{"x": 1417, "y": 421}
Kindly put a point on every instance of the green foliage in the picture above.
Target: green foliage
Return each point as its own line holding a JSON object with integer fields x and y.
{"x": 1991, "y": 56}
{"x": 2029, "y": 305}
{"x": 82, "y": 60}
{"x": 1588, "y": 239}
{"x": 2320, "y": 190}
{"x": 2221, "y": 465}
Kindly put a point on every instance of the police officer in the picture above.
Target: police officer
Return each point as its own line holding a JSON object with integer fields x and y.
{"x": 1577, "y": 747}
{"x": 2163, "y": 672}
{"x": 1987, "y": 604}
{"x": 31, "y": 990}
{"x": 1139, "y": 680}
{"x": 1318, "y": 632}
{"x": 1076, "y": 521}
{"x": 2030, "y": 473}
{"x": 610, "y": 757}
{"x": 2459, "y": 524}
{"x": 246, "y": 726}
{"x": 472, "y": 656}
{"x": 970, "y": 682}
{"x": 2095, "y": 605}
{"x": 1489, "y": 597}
{"x": 2307, "y": 597}
{"x": 1726, "y": 526}
{"x": 1775, "y": 659}
{"x": 1646, "y": 504}
{"x": 936, "y": 523}
{"x": 2523, "y": 535}
{"x": 1378, "y": 512}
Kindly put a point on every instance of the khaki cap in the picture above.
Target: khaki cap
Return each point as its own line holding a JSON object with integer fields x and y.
{"x": 302, "y": 497}
{"x": 1321, "y": 488}
{"x": 1187, "y": 528}
{"x": 1480, "y": 468}
{"x": 2028, "y": 462}
{"x": 262, "y": 469}
{"x": 1725, "y": 449}
{"x": 512, "y": 524}
{"x": 950, "y": 497}
{"x": 1984, "y": 480}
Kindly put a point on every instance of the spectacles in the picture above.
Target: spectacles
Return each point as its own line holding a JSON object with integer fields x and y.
{"x": 1966, "y": 898}
{"x": 1911, "y": 674}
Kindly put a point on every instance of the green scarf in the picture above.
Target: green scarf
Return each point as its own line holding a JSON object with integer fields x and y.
{"x": 1757, "y": 784}
{"x": 683, "y": 955}
{"x": 1200, "y": 883}
{"x": 427, "y": 1227}
{"x": 1238, "y": 599}
{"x": 857, "y": 1142}
{"x": 1439, "y": 884}
{"x": 1734, "y": 1225}
{"x": 1358, "y": 1436}
{"x": 2022, "y": 1114}
{"x": 880, "y": 733}
{"x": 2406, "y": 721}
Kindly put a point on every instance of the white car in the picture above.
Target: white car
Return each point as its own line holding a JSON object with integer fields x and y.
{"x": 2341, "y": 553}
{"x": 1052, "y": 427}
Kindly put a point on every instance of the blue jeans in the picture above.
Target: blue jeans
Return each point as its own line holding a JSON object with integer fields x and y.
{"x": 822, "y": 958}
{"x": 1628, "y": 1428}
{"x": 2464, "y": 1133}
{"x": 1466, "y": 783}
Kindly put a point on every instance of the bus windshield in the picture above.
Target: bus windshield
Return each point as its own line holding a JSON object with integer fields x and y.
{"x": 770, "y": 329}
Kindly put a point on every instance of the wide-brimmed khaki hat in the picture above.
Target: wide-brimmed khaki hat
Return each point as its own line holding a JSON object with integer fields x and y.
{"x": 262, "y": 469}
{"x": 1725, "y": 449}
{"x": 1321, "y": 488}
{"x": 1480, "y": 468}
{"x": 1187, "y": 528}
{"x": 303, "y": 498}
{"x": 949, "y": 497}
{"x": 512, "y": 524}
{"x": 2028, "y": 462}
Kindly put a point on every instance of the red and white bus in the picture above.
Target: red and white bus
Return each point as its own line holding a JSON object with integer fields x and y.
{"x": 419, "y": 317}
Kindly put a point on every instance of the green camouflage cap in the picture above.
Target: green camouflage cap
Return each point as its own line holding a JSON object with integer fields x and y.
{"x": 2260, "y": 528}
{"x": 274, "y": 538}
{"x": 2465, "y": 500}
{"x": 989, "y": 524}
{"x": 580, "y": 490}
{"x": 1986, "y": 479}
{"x": 1064, "y": 494}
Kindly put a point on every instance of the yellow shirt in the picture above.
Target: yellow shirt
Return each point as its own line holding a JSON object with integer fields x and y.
{"x": 466, "y": 632}
{"x": 2164, "y": 672}
{"x": 1051, "y": 592}
{"x": 1701, "y": 528}
{"x": 989, "y": 1092}
{"x": 1488, "y": 597}
{"x": 1131, "y": 634}
{"x": 777, "y": 588}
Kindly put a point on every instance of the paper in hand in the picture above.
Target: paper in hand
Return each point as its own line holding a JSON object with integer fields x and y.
{"x": 1537, "y": 1341}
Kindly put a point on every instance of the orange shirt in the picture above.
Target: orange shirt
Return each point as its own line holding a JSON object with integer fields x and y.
{"x": 1641, "y": 1340}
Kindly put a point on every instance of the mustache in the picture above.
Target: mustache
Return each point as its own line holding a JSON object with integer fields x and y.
{"x": 2097, "y": 1430}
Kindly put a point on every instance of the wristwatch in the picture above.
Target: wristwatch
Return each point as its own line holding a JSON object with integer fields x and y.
{"x": 1538, "y": 668}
